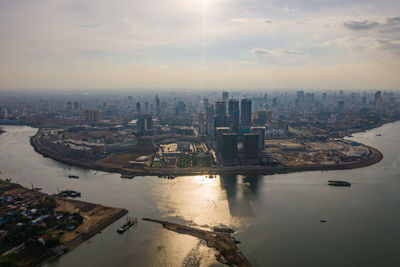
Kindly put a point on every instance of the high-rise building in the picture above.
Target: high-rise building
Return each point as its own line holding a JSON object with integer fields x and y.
{"x": 229, "y": 151}
{"x": 300, "y": 96}
{"x": 92, "y": 115}
{"x": 340, "y": 105}
{"x": 225, "y": 96}
{"x": 310, "y": 98}
{"x": 76, "y": 106}
{"x": 180, "y": 108}
{"x": 219, "y": 131}
{"x": 220, "y": 108}
{"x": 220, "y": 119}
{"x": 378, "y": 99}
{"x": 260, "y": 117}
{"x": 210, "y": 120}
{"x": 269, "y": 116}
{"x": 251, "y": 148}
{"x": 158, "y": 106}
{"x": 69, "y": 106}
{"x": 261, "y": 137}
{"x": 364, "y": 101}
{"x": 202, "y": 123}
{"x": 138, "y": 108}
{"x": 233, "y": 109}
{"x": 144, "y": 124}
{"x": 205, "y": 103}
{"x": 245, "y": 112}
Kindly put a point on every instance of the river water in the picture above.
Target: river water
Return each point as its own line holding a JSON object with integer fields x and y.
{"x": 277, "y": 217}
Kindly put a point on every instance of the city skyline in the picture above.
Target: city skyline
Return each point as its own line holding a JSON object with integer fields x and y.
{"x": 200, "y": 45}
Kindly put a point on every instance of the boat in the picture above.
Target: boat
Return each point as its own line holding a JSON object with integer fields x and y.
{"x": 224, "y": 230}
{"x": 73, "y": 176}
{"x": 338, "y": 183}
{"x": 129, "y": 222}
{"x": 127, "y": 176}
{"x": 378, "y": 135}
{"x": 70, "y": 193}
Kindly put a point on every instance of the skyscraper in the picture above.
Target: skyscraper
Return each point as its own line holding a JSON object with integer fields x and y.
{"x": 205, "y": 103}
{"x": 220, "y": 108}
{"x": 225, "y": 96}
{"x": 210, "y": 120}
{"x": 245, "y": 117}
{"x": 378, "y": 99}
{"x": 92, "y": 115}
{"x": 261, "y": 136}
{"x": 138, "y": 108}
{"x": 229, "y": 151}
{"x": 233, "y": 109}
{"x": 251, "y": 148}
{"x": 202, "y": 123}
{"x": 218, "y": 137}
{"x": 158, "y": 106}
{"x": 144, "y": 124}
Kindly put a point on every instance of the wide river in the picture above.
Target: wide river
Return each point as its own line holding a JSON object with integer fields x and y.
{"x": 277, "y": 217}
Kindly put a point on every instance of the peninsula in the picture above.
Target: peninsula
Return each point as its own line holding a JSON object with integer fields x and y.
{"x": 228, "y": 252}
{"x": 282, "y": 156}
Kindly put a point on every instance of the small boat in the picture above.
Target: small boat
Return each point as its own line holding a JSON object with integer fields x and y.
{"x": 73, "y": 176}
{"x": 70, "y": 193}
{"x": 127, "y": 176}
{"x": 338, "y": 183}
{"x": 224, "y": 230}
{"x": 378, "y": 135}
{"x": 127, "y": 225}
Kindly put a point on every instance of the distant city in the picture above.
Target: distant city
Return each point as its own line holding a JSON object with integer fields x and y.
{"x": 168, "y": 135}
{"x": 197, "y": 133}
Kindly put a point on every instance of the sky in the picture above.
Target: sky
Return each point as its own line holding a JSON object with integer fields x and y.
{"x": 200, "y": 44}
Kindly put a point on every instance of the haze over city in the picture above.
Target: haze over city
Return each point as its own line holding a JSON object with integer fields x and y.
{"x": 199, "y": 133}
{"x": 200, "y": 44}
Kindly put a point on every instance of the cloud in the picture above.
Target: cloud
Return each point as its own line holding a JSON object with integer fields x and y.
{"x": 390, "y": 25}
{"x": 392, "y": 46}
{"x": 251, "y": 20}
{"x": 287, "y": 9}
{"x": 274, "y": 52}
{"x": 260, "y": 51}
{"x": 360, "y": 25}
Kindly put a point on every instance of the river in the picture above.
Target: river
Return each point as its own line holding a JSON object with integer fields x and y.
{"x": 277, "y": 217}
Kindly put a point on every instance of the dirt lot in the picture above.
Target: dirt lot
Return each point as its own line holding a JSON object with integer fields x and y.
{"x": 93, "y": 215}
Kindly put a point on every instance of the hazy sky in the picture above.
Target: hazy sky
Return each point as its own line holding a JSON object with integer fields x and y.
{"x": 327, "y": 44}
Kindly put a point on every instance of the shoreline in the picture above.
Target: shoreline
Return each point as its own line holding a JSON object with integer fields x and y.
{"x": 97, "y": 217}
{"x": 82, "y": 237}
{"x": 375, "y": 157}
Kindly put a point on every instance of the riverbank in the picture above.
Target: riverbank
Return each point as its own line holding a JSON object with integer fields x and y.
{"x": 228, "y": 252}
{"x": 374, "y": 157}
{"x": 49, "y": 226}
